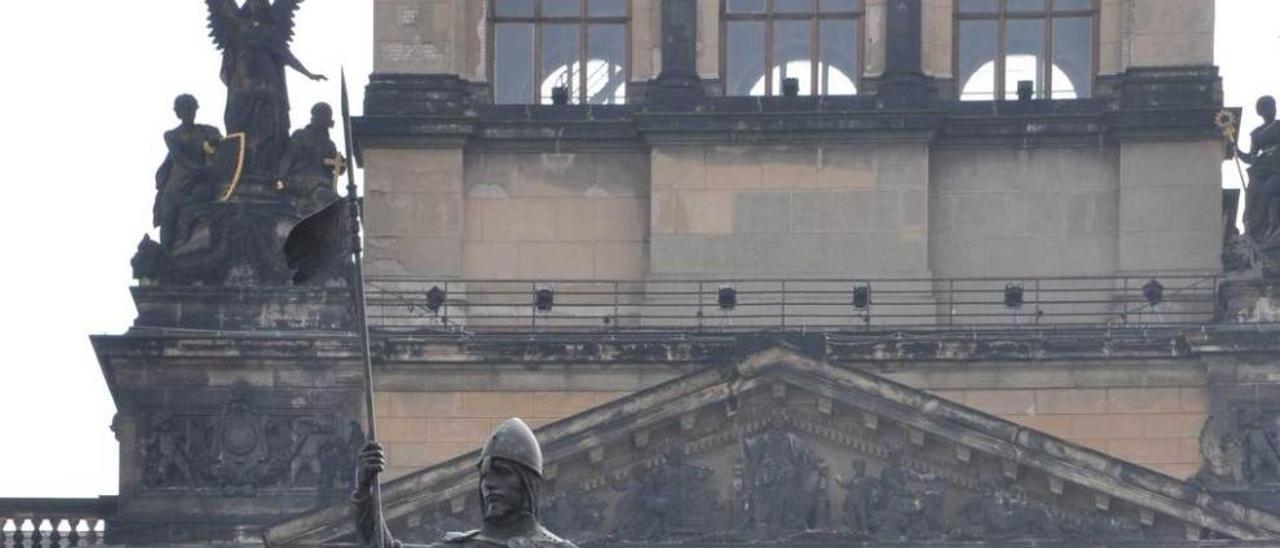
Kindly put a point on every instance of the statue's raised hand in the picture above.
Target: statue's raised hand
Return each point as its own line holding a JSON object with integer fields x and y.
{"x": 319, "y": 78}
{"x": 373, "y": 461}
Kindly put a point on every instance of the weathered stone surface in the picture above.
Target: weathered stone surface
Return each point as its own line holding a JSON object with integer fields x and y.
{"x": 759, "y": 437}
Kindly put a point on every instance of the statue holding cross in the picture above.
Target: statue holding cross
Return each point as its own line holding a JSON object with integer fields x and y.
{"x": 311, "y": 165}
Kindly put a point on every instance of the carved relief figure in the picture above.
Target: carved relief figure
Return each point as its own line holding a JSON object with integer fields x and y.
{"x": 167, "y": 447}
{"x": 1258, "y": 438}
{"x": 510, "y": 476}
{"x": 862, "y": 493}
{"x": 574, "y": 512}
{"x": 672, "y": 499}
{"x": 309, "y": 169}
{"x": 1221, "y": 451}
{"x": 782, "y": 480}
{"x": 184, "y": 177}
{"x": 309, "y": 445}
{"x": 911, "y": 504}
{"x": 999, "y": 510}
{"x": 254, "y": 40}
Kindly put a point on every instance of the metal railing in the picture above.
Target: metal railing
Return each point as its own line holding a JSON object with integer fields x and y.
{"x": 50, "y": 523}
{"x": 406, "y": 304}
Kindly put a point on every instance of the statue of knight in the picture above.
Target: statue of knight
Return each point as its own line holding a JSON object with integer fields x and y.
{"x": 510, "y": 469}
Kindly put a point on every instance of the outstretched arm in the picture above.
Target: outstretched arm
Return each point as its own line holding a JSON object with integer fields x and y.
{"x": 295, "y": 64}
{"x": 369, "y": 523}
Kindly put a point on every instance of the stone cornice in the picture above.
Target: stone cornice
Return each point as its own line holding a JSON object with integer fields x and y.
{"x": 435, "y": 111}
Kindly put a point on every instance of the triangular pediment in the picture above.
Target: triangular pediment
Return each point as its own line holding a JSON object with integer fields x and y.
{"x": 786, "y": 449}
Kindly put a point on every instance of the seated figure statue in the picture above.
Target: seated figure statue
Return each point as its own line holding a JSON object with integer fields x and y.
{"x": 184, "y": 177}
{"x": 510, "y": 474}
{"x": 309, "y": 169}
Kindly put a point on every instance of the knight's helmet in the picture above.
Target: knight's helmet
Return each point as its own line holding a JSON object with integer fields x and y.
{"x": 513, "y": 440}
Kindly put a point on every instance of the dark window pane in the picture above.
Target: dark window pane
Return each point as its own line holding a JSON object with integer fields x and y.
{"x": 606, "y": 8}
{"x": 561, "y": 8}
{"x": 513, "y": 8}
{"x": 1072, "y": 58}
{"x": 607, "y": 64}
{"x": 513, "y": 63}
{"x": 977, "y": 60}
{"x": 839, "y": 6}
{"x": 1024, "y": 56}
{"x": 744, "y": 58}
{"x": 560, "y": 66}
{"x": 977, "y": 6}
{"x": 1022, "y": 6}
{"x": 838, "y": 52}
{"x": 793, "y": 55}
{"x": 745, "y": 6}
{"x": 793, "y": 6}
{"x": 1072, "y": 5}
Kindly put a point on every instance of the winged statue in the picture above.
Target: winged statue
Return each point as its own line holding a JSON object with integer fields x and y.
{"x": 254, "y": 40}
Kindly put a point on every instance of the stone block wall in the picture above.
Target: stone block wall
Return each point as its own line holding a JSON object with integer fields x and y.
{"x": 414, "y": 207}
{"x": 1167, "y": 33}
{"x": 1150, "y": 414}
{"x": 556, "y": 216}
{"x": 421, "y": 429}
{"x": 430, "y": 37}
{"x": 789, "y": 210}
{"x": 1023, "y": 211}
{"x": 1170, "y": 206}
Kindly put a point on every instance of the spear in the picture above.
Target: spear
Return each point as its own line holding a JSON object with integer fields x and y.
{"x": 331, "y": 237}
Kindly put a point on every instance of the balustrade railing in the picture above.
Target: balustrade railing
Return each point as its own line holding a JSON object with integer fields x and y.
{"x": 403, "y": 304}
{"x": 54, "y": 523}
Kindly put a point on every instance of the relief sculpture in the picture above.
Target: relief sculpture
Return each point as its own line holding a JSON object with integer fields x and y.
{"x": 782, "y": 485}
{"x": 244, "y": 448}
{"x": 672, "y": 499}
{"x": 1241, "y": 447}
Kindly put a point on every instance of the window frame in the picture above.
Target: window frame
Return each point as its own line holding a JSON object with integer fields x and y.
{"x": 815, "y": 16}
{"x": 538, "y": 21}
{"x": 1002, "y": 17}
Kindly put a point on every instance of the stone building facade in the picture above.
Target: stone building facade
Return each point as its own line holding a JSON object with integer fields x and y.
{"x": 647, "y": 273}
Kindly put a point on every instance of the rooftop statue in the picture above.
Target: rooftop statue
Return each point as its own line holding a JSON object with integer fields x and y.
{"x": 185, "y": 175}
{"x": 510, "y": 476}
{"x": 1262, "y": 214}
{"x": 310, "y": 167}
{"x": 254, "y": 40}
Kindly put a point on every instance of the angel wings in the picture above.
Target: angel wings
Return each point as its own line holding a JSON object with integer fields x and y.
{"x": 229, "y": 24}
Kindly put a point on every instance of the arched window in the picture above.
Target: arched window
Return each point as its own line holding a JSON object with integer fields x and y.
{"x": 1050, "y": 43}
{"x": 817, "y": 42}
{"x": 580, "y": 45}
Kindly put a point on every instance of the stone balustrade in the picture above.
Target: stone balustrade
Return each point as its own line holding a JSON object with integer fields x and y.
{"x": 54, "y": 523}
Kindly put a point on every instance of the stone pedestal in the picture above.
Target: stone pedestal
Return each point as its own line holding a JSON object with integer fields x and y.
{"x": 237, "y": 407}
{"x": 1251, "y": 301}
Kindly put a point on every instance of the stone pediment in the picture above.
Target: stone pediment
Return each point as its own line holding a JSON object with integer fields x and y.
{"x": 784, "y": 449}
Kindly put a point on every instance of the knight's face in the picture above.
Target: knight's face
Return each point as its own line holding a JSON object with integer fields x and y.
{"x": 502, "y": 490}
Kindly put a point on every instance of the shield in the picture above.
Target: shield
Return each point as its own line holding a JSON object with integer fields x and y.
{"x": 228, "y": 165}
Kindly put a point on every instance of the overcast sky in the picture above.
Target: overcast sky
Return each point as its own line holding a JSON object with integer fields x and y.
{"x": 89, "y": 92}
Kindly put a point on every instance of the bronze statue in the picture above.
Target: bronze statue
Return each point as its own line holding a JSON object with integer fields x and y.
{"x": 510, "y": 474}
{"x": 184, "y": 177}
{"x": 254, "y": 40}
{"x": 311, "y": 165}
{"x": 1262, "y": 209}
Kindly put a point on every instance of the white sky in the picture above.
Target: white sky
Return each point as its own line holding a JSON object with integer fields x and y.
{"x": 89, "y": 93}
